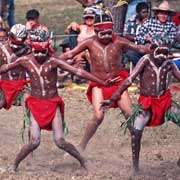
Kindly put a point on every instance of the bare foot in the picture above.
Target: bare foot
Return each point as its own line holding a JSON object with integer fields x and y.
{"x": 11, "y": 169}
{"x": 135, "y": 172}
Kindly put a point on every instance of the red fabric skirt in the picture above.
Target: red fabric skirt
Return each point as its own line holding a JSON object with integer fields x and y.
{"x": 44, "y": 110}
{"x": 107, "y": 91}
{"x": 158, "y": 106}
{"x": 11, "y": 90}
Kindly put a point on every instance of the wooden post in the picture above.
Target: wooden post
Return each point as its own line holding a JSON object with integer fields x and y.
{"x": 119, "y": 14}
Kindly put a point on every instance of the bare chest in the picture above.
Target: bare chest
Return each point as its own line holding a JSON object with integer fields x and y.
{"x": 107, "y": 58}
{"x": 155, "y": 80}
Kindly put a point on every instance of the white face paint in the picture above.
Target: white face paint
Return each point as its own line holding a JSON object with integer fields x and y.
{"x": 161, "y": 53}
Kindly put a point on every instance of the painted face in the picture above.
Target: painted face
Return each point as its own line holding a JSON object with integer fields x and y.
{"x": 105, "y": 36}
{"x": 160, "y": 54}
{"x": 162, "y": 16}
{"x": 40, "y": 55}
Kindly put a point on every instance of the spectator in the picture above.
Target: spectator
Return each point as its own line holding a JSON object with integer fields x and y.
{"x": 159, "y": 24}
{"x": 32, "y": 17}
{"x": 84, "y": 31}
{"x": 33, "y": 23}
{"x": 131, "y": 30}
{"x": 132, "y": 7}
{"x": 133, "y": 24}
{"x": 11, "y": 18}
{"x": 4, "y": 12}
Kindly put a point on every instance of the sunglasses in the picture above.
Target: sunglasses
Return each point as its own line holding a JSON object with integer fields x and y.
{"x": 89, "y": 17}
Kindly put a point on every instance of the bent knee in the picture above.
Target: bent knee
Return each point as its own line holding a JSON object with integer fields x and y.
{"x": 127, "y": 114}
{"x": 98, "y": 117}
{"x": 59, "y": 142}
{"x": 35, "y": 142}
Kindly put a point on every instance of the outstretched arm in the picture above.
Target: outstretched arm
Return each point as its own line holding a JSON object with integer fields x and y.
{"x": 139, "y": 48}
{"x": 137, "y": 70}
{"x": 78, "y": 72}
{"x": 78, "y": 49}
{"x": 6, "y": 67}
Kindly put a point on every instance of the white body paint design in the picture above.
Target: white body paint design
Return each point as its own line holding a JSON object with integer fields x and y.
{"x": 9, "y": 58}
{"x": 104, "y": 50}
{"x": 157, "y": 72}
{"x": 39, "y": 71}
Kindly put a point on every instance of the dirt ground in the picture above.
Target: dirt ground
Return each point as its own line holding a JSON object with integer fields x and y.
{"x": 108, "y": 154}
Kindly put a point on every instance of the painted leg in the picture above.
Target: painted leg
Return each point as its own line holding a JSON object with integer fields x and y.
{"x": 96, "y": 120}
{"x": 30, "y": 156}
{"x": 136, "y": 134}
{"x": 2, "y": 100}
{"x": 32, "y": 145}
{"x": 70, "y": 148}
{"x": 60, "y": 142}
{"x": 89, "y": 132}
{"x": 136, "y": 146}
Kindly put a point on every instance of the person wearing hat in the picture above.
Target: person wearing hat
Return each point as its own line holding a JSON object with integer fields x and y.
{"x": 155, "y": 105}
{"x": 13, "y": 82}
{"x": 84, "y": 31}
{"x": 45, "y": 106}
{"x": 159, "y": 24}
{"x": 105, "y": 62}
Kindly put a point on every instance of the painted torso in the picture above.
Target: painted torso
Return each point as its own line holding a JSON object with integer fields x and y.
{"x": 6, "y": 52}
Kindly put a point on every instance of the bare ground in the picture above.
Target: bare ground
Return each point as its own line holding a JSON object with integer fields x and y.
{"x": 108, "y": 154}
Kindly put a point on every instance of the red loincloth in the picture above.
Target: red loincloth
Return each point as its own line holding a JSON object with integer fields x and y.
{"x": 44, "y": 110}
{"x": 107, "y": 91}
{"x": 158, "y": 106}
{"x": 11, "y": 89}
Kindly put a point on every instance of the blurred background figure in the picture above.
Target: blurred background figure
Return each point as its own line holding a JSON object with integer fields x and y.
{"x": 11, "y": 17}
{"x": 33, "y": 21}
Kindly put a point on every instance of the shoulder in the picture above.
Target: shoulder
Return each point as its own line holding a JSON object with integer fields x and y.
{"x": 145, "y": 59}
{"x": 25, "y": 57}
{"x": 131, "y": 19}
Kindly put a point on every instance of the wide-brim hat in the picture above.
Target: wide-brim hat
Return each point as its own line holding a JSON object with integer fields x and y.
{"x": 164, "y": 6}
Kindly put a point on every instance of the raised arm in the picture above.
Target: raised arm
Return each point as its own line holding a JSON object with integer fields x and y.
{"x": 6, "y": 67}
{"x": 139, "y": 48}
{"x": 79, "y": 72}
{"x": 105, "y": 104}
{"x": 78, "y": 49}
{"x": 136, "y": 71}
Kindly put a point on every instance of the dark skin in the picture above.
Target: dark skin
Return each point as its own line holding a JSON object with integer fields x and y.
{"x": 142, "y": 16}
{"x": 86, "y": 3}
{"x": 105, "y": 62}
{"x": 152, "y": 68}
{"x": 42, "y": 72}
{"x": 8, "y": 54}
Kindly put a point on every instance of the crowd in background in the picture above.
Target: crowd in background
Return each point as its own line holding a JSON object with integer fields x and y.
{"x": 142, "y": 24}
